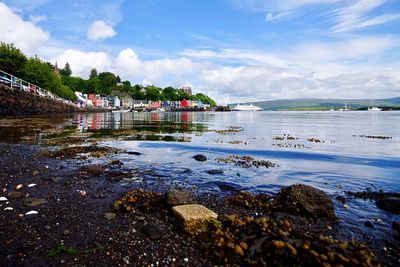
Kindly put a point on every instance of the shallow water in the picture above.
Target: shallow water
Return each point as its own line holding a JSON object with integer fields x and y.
{"x": 346, "y": 158}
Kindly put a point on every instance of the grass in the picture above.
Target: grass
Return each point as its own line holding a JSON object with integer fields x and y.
{"x": 72, "y": 251}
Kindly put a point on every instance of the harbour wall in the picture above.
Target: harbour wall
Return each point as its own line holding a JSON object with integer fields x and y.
{"x": 15, "y": 102}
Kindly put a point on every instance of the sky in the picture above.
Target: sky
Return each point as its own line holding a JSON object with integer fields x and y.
{"x": 232, "y": 50}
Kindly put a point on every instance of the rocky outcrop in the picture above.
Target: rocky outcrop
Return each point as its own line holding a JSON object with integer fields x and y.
{"x": 389, "y": 204}
{"x": 15, "y": 102}
{"x": 305, "y": 201}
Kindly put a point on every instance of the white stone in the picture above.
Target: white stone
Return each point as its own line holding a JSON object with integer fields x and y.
{"x": 32, "y": 185}
{"x": 32, "y": 212}
{"x": 18, "y": 187}
{"x": 3, "y": 199}
{"x": 8, "y": 208}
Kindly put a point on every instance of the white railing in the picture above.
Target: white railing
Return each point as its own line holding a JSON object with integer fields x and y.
{"x": 13, "y": 82}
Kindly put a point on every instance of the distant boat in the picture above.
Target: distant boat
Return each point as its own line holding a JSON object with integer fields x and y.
{"x": 246, "y": 107}
{"x": 346, "y": 108}
{"x": 158, "y": 110}
{"x": 372, "y": 108}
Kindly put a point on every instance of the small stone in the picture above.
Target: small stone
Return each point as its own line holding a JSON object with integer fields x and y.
{"x": 32, "y": 212}
{"x": 35, "y": 173}
{"x": 3, "y": 199}
{"x": 346, "y": 206}
{"x": 194, "y": 218}
{"x": 110, "y": 215}
{"x": 32, "y": 202}
{"x": 369, "y": 224}
{"x": 47, "y": 227}
{"x": 14, "y": 195}
{"x": 186, "y": 260}
{"x": 153, "y": 231}
{"x": 239, "y": 250}
{"x": 9, "y": 208}
{"x": 18, "y": 187}
{"x": 126, "y": 260}
{"x": 32, "y": 185}
{"x": 200, "y": 157}
{"x": 134, "y": 153}
{"x": 66, "y": 232}
{"x": 82, "y": 193}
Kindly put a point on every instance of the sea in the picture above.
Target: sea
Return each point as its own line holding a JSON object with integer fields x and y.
{"x": 332, "y": 151}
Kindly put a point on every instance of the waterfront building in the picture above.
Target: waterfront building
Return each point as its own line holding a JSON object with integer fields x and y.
{"x": 127, "y": 102}
{"x": 140, "y": 103}
{"x": 187, "y": 89}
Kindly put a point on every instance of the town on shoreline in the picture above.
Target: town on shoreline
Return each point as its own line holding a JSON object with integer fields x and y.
{"x": 102, "y": 91}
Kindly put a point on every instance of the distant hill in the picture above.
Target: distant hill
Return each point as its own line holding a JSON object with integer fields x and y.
{"x": 324, "y": 104}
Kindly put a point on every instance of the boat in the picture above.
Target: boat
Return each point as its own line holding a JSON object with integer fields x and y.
{"x": 372, "y": 108}
{"x": 245, "y": 107}
{"x": 158, "y": 110}
{"x": 346, "y": 108}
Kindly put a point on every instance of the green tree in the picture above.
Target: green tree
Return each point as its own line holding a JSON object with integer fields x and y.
{"x": 76, "y": 83}
{"x": 12, "y": 60}
{"x": 66, "y": 71}
{"x": 170, "y": 93}
{"x": 41, "y": 74}
{"x": 107, "y": 80}
{"x": 205, "y": 99}
{"x": 153, "y": 93}
{"x": 138, "y": 93}
{"x": 93, "y": 74}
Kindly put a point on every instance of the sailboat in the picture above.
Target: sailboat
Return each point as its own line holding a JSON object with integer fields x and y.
{"x": 345, "y": 107}
{"x": 372, "y": 108}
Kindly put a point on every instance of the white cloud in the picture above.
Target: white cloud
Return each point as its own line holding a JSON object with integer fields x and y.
{"x": 261, "y": 83}
{"x": 36, "y": 19}
{"x": 130, "y": 66}
{"x": 126, "y": 64}
{"x": 24, "y": 34}
{"x": 82, "y": 62}
{"x": 355, "y": 15}
{"x": 100, "y": 30}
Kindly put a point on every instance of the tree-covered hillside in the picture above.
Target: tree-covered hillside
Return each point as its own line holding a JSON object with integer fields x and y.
{"x": 62, "y": 83}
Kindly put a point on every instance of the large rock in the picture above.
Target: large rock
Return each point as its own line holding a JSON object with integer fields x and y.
{"x": 200, "y": 157}
{"x": 193, "y": 218}
{"x": 389, "y": 204}
{"x": 177, "y": 197}
{"x": 305, "y": 201}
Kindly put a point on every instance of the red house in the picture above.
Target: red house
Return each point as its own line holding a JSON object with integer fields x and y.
{"x": 184, "y": 103}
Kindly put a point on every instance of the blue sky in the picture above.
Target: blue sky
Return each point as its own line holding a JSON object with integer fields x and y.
{"x": 234, "y": 50}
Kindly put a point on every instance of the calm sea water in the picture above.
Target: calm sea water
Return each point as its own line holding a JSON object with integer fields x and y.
{"x": 346, "y": 158}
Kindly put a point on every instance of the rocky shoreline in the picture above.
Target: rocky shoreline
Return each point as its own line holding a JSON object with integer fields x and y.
{"x": 65, "y": 211}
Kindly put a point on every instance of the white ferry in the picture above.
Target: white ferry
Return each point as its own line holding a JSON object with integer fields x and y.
{"x": 245, "y": 107}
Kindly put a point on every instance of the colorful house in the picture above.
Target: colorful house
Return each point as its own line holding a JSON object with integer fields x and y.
{"x": 185, "y": 103}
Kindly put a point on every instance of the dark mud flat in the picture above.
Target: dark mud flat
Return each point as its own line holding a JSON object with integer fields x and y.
{"x": 77, "y": 225}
